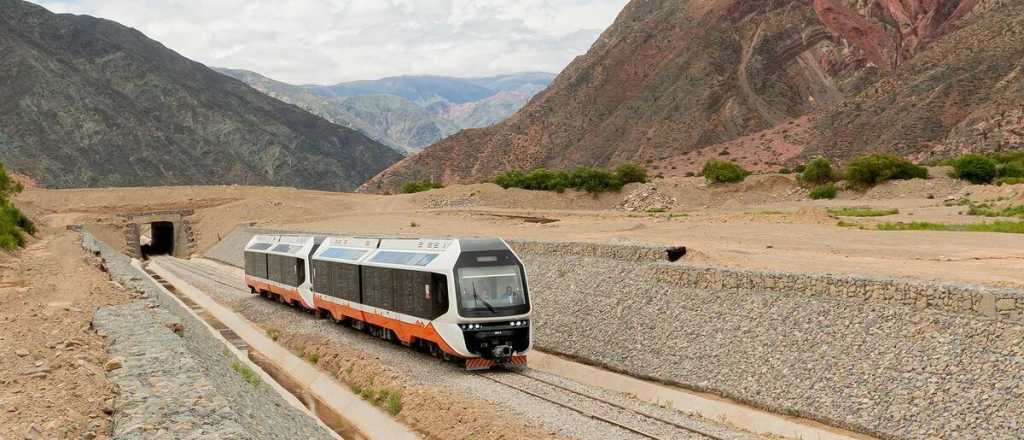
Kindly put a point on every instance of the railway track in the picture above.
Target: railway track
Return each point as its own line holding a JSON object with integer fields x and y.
{"x": 632, "y": 420}
{"x": 604, "y": 410}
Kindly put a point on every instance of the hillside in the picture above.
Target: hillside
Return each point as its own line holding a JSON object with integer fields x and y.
{"x": 672, "y": 83}
{"x": 408, "y": 112}
{"x": 88, "y": 102}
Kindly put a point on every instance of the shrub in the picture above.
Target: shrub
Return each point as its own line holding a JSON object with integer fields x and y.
{"x": 974, "y": 168}
{"x": 594, "y": 180}
{"x": 631, "y": 173}
{"x": 828, "y": 191}
{"x": 1013, "y": 169}
{"x": 870, "y": 170}
{"x": 589, "y": 179}
{"x": 420, "y": 186}
{"x": 510, "y": 179}
{"x": 13, "y": 223}
{"x": 542, "y": 179}
{"x": 720, "y": 171}
{"x": 818, "y": 171}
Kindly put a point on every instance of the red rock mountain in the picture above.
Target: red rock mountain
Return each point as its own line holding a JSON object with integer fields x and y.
{"x": 672, "y": 83}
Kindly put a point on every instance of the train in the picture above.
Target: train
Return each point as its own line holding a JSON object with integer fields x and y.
{"x": 466, "y": 300}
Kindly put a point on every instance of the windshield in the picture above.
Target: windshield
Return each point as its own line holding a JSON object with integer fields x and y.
{"x": 490, "y": 288}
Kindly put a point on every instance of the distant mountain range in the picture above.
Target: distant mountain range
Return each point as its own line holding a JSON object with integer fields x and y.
{"x": 89, "y": 102}
{"x": 764, "y": 83}
{"x": 408, "y": 112}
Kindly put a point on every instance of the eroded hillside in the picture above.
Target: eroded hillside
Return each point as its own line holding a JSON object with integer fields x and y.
{"x": 671, "y": 81}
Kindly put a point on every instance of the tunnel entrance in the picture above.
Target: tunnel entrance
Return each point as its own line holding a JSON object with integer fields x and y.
{"x": 159, "y": 240}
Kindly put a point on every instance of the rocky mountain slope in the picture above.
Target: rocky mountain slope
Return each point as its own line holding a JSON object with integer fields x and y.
{"x": 88, "y": 102}
{"x": 762, "y": 83}
{"x": 408, "y": 112}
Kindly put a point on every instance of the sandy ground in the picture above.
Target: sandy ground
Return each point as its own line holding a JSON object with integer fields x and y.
{"x": 52, "y": 382}
{"x": 766, "y": 222}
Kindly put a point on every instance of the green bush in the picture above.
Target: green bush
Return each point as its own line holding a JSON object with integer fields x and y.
{"x": 828, "y": 191}
{"x": 975, "y": 168}
{"x": 720, "y": 171}
{"x": 1013, "y": 169}
{"x": 871, "y": 170}
{"x": 420, "y": 186}
{"x": 13, "y": 223}
{"x": 510, "y": 179}
{"x": 862, "y": 212}
{"x": 818, "y": 171}
{"x": 631, "y": 173}
{"x": 594, "y": 180}
{"x": 589, "y": 179}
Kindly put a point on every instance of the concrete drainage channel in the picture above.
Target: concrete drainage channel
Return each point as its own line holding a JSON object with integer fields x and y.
{"x": 256, "y": 389}
{"x": 334, "y": 404}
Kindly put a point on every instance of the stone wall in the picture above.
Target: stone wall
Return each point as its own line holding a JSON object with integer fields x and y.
{"x": 891, "y": 358}
{"x": 156, "y": 401}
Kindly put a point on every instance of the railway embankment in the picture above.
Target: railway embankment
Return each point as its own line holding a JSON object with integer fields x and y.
{"x": 176, "y": 378}
{"x": 893, "y": 358}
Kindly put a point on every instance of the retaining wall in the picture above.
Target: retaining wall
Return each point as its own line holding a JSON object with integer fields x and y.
{"x": 235, "y": 407}
{"x": 889, "y": 357}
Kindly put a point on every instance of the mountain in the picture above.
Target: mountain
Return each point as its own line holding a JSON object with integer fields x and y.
{"x": 389, "y": 119}
{"x": 408, "y": 112}
{"x": 89, "y": 102}
{"x": 762, "y": 83}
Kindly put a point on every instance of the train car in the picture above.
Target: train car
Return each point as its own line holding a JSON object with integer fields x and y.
{"x": 457, "y": 298}
{"x": 278, "y": 265}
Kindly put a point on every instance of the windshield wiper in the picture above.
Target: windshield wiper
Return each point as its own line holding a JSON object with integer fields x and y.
{"x": 488, "y": 305}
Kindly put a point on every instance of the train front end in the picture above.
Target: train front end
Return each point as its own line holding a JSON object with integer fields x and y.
{"x": 491, "y": 304}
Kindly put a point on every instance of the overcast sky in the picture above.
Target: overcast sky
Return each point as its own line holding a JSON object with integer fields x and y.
{"x": 329, "y": 41}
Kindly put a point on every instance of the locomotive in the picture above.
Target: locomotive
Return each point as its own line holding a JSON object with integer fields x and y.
{"x": 464, "y": 299}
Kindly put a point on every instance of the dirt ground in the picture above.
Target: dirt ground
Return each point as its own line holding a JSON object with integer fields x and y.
{"x": 52, "y": 382}
{"x": 766, "y": 222}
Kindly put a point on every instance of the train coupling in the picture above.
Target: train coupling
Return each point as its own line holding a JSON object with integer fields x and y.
{"x": 502, "y": 352}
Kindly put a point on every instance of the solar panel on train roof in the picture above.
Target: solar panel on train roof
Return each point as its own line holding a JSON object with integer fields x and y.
{"x": 343, "y": 254}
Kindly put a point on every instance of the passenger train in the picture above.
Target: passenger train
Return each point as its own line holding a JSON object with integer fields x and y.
{"x": 463, "y": 299}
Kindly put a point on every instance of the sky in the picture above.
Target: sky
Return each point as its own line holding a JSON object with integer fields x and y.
{"x": 331, "y": 41}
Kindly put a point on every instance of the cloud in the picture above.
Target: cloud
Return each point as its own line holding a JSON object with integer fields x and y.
{"x": 329, "y": 41}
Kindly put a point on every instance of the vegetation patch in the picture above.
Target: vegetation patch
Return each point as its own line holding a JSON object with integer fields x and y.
{"x": 1009, "y": 181}
{"x": 862, "y": 212}
{"x": 720, "y": 171}
{"x": 13, "y": 223}
{"x": 988, "y": 211}
{"x": 417, "y": 186}
{"x": 817, "y": 172}
{"x": 867, "y": 171}
{"x": 247, "y": 374}
{"x": 1001, "y": 226}
{"x": 999, "y": 168}
{"x": 975, "y": 168}
{"x": 274, "y": 334}
{"x": 828, "y": 191}
{"x": 590, "y": 179}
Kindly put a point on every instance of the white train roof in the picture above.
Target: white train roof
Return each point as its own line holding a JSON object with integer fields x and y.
{"x": 288, "y": 245}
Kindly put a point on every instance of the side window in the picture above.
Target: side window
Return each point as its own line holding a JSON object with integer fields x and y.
{"x": 300, "y": 271}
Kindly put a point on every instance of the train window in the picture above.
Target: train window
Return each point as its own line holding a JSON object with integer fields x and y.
{"x": 489, "y": 287}
{"x": 300, "y": 271}
{"x": 260, "y": 247}
{"x": 343, "y": 254}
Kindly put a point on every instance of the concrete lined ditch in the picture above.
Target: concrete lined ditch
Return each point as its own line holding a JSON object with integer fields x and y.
{"x": 333, "y": 403}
